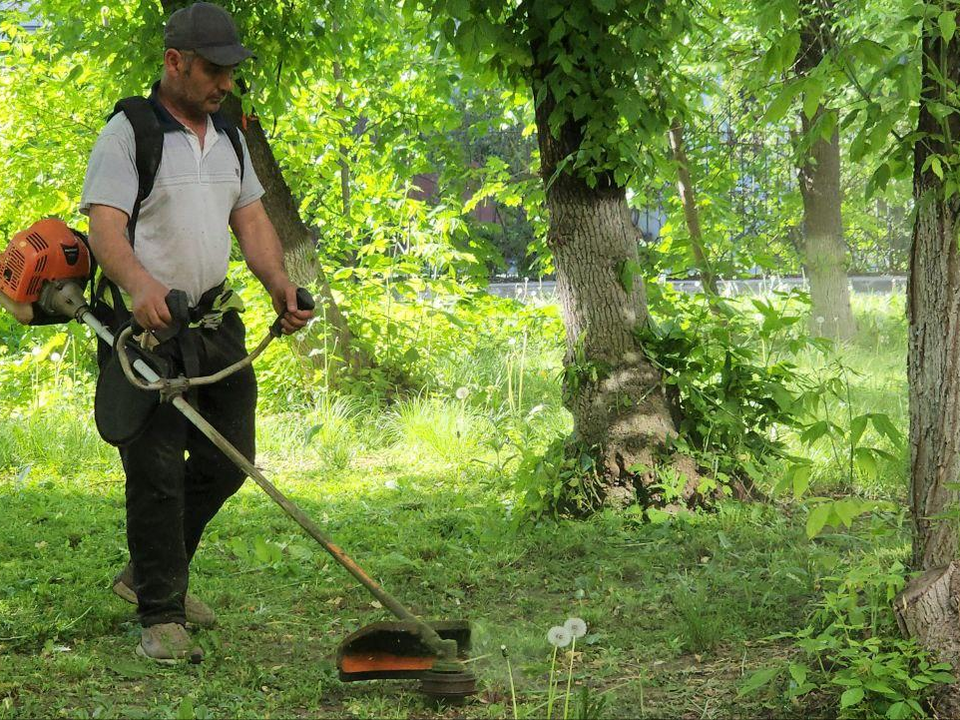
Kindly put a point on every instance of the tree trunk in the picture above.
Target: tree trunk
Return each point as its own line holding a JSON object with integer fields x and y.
{"x": 690, "y": 211}
{"x": 620, "y": 410}
{"x": 927, "y": 608}
{"x": 824, "y": 251}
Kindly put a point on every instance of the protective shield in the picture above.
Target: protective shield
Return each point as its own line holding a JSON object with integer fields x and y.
{"x": 121, "y": 410}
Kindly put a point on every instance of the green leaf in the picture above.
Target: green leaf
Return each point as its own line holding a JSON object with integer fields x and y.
{"x": 266, "y": 552}
{"x": 239, "y": 547}
{"x": 791, "y": 46}
{"x": 758, "y": 680}
{"x": 899, "y": 711}
{"x": 865, "y": 461}
{"x": 851, "y": 697}
{"x": 884, "y": 426}
{"x": 186, "y": 711}
{"x": 948, "y": 25}
{"x": 813, "y": 433}
{"x": 557, "y": 32}
{"x": 857, "y": 426}
{"x": 778, "y": 108}
{"x": 801, "y": 481}
{"x": 846, "y": 510}
{"x": 828, "y": 123}
{"x": 605, "y": 6}
{"x": 811, "y": 98}
{"x": 817, "y": 519}
{"x": 936, "y": 166}
{"x": 798, "y": 673}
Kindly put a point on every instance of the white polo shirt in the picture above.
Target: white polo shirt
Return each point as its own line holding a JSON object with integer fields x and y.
{"x": 182, "y": 234}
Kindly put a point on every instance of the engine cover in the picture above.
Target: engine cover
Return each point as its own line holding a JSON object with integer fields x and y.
{"x": 47, "y": 250}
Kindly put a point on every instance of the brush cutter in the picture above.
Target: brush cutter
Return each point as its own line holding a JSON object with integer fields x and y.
{"x": 44, "y": 270}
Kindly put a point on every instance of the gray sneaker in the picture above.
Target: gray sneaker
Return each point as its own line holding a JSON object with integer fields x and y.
{"x": 197, "y": 612}
{"x": 168, "y": 644}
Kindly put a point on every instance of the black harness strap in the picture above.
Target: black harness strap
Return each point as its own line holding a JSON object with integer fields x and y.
{"x": 148, "y": 136}
{"x": 234, "y": 134}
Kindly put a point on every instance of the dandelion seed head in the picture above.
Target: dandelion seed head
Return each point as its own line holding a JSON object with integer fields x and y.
{"x": 559, "y": 636}
{"x": 462, "y": 393}
{"x": 576, "y": 627}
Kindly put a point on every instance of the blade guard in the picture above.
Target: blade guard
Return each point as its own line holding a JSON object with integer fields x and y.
{"x": 395, "y": 650}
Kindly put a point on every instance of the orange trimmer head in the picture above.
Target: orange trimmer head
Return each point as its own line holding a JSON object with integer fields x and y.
{"x": 397, "y": 650}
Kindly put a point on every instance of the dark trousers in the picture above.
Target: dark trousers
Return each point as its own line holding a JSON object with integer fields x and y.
{"x": 177, "y": 479}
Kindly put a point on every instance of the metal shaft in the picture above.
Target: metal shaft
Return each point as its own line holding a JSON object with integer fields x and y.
{"x": 429, "y": 635}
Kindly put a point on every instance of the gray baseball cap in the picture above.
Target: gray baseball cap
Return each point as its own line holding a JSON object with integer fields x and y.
{"x": 208, "y": 30}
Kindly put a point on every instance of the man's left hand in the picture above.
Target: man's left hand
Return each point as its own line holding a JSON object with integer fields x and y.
{"x": 284, "y": 296}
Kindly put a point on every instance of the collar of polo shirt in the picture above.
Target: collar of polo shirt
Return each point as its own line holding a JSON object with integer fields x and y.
{"x": 168, "y": 123}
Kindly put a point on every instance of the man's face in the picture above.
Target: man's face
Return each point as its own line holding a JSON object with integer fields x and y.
{"x": 202, "y": 85}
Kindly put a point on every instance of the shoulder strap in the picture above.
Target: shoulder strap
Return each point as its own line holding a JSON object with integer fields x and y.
{"x": 148, "y": 137}
{"x": 234, "y": 134}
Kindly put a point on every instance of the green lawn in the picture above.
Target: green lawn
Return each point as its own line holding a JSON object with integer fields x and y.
{"x": 678, "y": 613}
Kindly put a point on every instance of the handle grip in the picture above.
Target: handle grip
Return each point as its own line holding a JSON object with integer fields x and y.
{"x": 305, "y": 301}
{"x": 179, "y": 308}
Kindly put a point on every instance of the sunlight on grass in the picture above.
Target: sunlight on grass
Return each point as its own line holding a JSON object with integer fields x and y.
{"x": 419, "y": 492}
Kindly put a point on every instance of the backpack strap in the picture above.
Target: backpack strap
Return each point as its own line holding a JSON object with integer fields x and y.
{"x": 221, "y": 123}
{"x": 148, "y": 137}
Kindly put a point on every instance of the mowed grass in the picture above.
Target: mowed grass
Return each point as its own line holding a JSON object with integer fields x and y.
{"x": 419, "y": 494}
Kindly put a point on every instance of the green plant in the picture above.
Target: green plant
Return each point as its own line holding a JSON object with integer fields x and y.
{"x": 854, "y": 647}
{"x": 723, "y": 369}
{"x": 560, "y": 480}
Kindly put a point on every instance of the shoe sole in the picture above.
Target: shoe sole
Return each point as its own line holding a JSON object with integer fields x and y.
{"x": 161, "y": 661}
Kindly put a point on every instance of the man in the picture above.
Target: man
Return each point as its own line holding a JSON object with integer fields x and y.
{"x": 179, "y": 239}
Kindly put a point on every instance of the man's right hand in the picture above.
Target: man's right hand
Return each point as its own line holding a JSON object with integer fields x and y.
{"x": 150, "y": 304}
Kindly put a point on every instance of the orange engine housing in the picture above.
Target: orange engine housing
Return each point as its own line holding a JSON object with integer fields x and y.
{"x": 47, "y": 250}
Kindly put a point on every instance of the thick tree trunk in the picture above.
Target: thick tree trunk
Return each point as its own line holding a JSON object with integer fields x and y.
{"x": 616, "y": 396}
{"x": 927, "y": 609}
{"x": 824, "y": 251}
{"x": 691, "y": 212}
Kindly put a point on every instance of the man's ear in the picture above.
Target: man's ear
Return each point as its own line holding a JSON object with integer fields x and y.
{"x": 173, "y": 61}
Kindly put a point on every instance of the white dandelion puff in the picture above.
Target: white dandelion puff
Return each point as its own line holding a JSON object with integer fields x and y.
{"x": 559, "y": 636}
{"x": 462, "y": 393}
{"x": 576, "y": 627}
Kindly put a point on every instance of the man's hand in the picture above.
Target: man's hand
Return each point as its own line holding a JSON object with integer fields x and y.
{"x": 149, "y": 298}
{"x": 284, "y": 296}
{"x": 22, "y": 312}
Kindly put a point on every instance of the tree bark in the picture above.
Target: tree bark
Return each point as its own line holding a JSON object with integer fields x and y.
{"x": 620, "y": 410}
{"x": 691, "y": 212}
{"x": 824, "y": 250}
{"x": 927, "y": 609}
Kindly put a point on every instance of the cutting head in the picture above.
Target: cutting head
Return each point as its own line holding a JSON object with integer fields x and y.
{"x": 396, "y": 650}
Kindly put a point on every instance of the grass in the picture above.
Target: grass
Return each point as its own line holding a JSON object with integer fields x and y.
{"x": 678, "y": 612}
